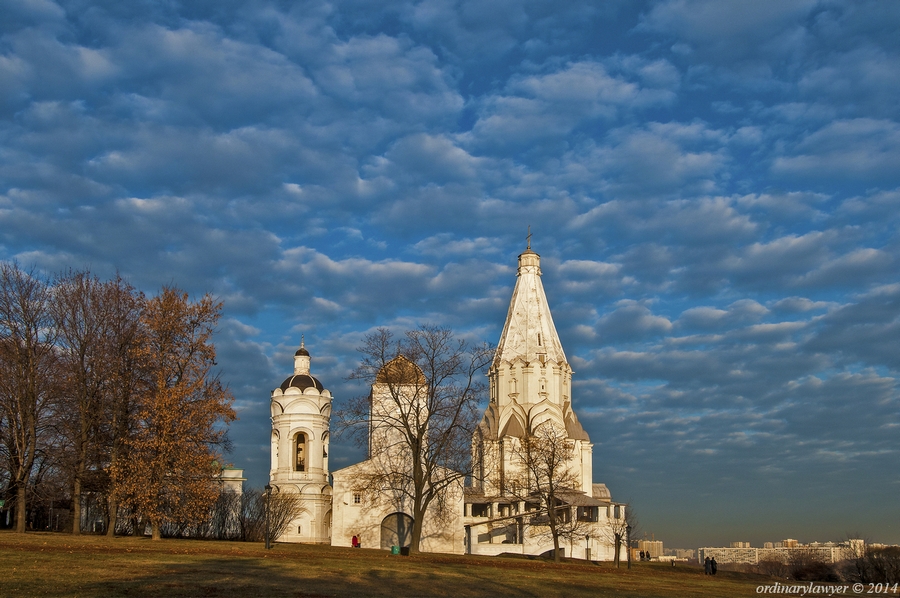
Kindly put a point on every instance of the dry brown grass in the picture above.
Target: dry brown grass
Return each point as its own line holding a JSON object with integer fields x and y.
{"x": 40, "y": 564}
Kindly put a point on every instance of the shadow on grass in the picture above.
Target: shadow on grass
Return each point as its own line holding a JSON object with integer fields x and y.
{"x": 227, "y": 578}
{"x": 64, "y": 565}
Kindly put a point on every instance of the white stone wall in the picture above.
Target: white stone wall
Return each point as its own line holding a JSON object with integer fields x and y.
{"x": 359, "y": 513}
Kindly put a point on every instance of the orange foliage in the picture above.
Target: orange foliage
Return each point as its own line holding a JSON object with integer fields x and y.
{"x": 174, "y": 453}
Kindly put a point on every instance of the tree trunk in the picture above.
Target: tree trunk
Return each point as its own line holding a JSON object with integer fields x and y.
{"x": 20, "y": 508}
{"x": 119, "y": 426}
{"x": 76, "y": 504}
{"x": 551, "y": 520}
{"x": 156, "y": 534}
{"x": 416, "y": 535}
{"x": 112, "y": 514}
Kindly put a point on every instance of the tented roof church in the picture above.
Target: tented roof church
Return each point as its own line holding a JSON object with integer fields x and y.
{"x": 530, "y": 385}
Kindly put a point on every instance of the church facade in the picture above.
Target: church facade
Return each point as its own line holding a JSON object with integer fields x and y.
{"x": 530, "y": 388}
{"x": 382, "y": 517}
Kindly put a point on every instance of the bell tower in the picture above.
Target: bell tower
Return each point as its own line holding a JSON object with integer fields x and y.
{"x": 301, "y": 410}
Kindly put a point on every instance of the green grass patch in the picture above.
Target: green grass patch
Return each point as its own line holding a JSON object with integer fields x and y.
{"x": 44, "y": 564}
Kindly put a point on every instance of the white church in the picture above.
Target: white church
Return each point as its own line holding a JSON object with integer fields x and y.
{"x": 530, "y": 384}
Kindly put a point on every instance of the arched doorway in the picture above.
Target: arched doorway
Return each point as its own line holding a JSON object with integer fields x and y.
{"x": 396, "y": 530}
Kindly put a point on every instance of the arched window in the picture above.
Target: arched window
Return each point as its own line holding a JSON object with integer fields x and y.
{"x": 300, "y": 459}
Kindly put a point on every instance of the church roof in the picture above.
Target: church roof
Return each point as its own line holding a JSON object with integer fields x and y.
{"x": 529, "y": 332}
{"x": 601, "y": 492}
{"x": 581, "y": 499}
{"x": 400, "y": 370}
{"x": 301, "y": 381}
{"x": 574, "y": 429}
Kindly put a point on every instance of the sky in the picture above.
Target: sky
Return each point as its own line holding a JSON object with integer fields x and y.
{"x": 713, "y": 187}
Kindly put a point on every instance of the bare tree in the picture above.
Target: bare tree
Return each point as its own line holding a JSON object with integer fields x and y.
{"x": 873, "y": 565}
{"x": 242, "y": 516}
{"x": 27, "y": 377}
{"x": 128, "y": 381}
{"x": 773, "y": 567}
{"x": 78, "y": 308}
{"x": 623, "y": 522}
{"x": 99, "y": 334}
{"x": 223, "y": 522}
{"x": 544, "y": 475}
{"x": 284, "y": 507}
{"x": 420, "y": 417}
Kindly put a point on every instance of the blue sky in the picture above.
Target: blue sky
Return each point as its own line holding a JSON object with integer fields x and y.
{"x": 713, "y": 187}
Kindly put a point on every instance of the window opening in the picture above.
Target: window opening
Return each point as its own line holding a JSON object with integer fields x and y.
{"x": 300, "y": 461}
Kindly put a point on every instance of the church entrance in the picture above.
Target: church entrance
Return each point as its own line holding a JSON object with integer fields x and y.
{"x": 396, "y": 530}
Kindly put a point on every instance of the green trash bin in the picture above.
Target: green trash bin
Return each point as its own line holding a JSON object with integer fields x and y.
{"x": 395, "y": 550}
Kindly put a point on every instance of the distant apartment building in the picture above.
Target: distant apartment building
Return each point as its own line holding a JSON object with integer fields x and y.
{"x": 784, "y": 551}
{"x": 653, "y": 547}
{"x": 681, "y": 553}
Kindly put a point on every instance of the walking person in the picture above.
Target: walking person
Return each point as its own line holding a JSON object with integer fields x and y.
{"x": 713, "y": 566}
{"x": 707, "y": 567}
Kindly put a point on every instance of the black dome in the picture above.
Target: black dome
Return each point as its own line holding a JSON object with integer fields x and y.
{"x": 301, "y": 381}
{"x": 302, "y": 351}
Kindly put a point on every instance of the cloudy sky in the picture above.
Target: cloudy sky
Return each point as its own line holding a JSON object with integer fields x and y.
{"x": 713, "y": 188}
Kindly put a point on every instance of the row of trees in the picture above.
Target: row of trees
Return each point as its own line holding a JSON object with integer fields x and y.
{"x": 241, "y": 516}
{"x": 109, "y": 393}
{"x": 868, "y": 565}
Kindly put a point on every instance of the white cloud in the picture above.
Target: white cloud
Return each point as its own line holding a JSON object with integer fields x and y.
{"x": 539, "y": 106}
{"x": 730, "y": 31}
{"x": 631, "y": 320}
{"x": 861, "y": 147}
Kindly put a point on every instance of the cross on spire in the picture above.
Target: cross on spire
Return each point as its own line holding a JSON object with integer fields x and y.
{"x": 529, "y": 238}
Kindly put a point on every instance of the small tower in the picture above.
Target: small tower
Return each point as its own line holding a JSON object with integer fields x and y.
{"x": 301, "y": 410}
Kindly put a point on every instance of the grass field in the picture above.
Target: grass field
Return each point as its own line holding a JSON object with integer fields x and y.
{"x": 44, "y": 564}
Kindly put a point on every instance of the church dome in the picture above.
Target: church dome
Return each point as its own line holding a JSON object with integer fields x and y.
{"x": 302, "y": 382}
{"x": 301, "y": 352}
{"x": 400, "y": 370}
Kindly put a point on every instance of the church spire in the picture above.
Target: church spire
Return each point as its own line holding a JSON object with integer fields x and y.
{"x": 529, "y": 332}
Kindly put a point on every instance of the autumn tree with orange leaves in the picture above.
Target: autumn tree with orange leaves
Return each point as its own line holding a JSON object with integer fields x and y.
{"x": 175, "y": 449}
